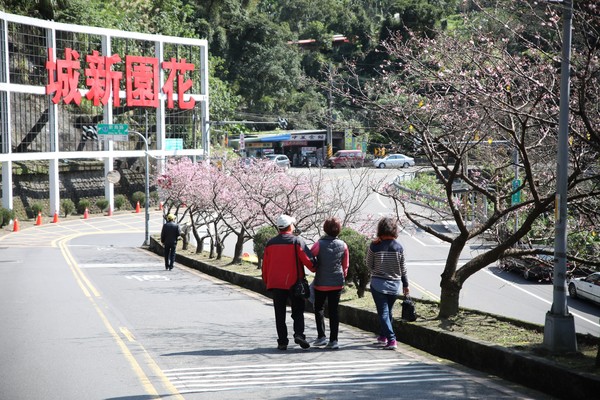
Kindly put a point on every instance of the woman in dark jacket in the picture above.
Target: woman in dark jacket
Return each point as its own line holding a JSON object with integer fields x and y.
{"x": 331, "y": 270}
{"x": 385, "y": 260}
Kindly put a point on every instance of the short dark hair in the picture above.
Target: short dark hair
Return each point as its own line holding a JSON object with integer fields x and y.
{"x": 387, "y": 227}
{"x": 332, "y": 226}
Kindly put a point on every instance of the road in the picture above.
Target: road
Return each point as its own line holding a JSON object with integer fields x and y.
{"x": 87, "y": 314}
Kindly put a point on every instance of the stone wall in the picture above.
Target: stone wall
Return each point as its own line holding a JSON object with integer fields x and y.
{"x": 77, "y": 181}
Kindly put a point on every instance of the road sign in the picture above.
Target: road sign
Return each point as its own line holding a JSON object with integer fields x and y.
{"x": 173, "y": 144}
{"x": 116, "y": 132}
{"x": 516, "y": 197}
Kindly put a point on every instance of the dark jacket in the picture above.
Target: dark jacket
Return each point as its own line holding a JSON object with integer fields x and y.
{"x": 332, "y": 265}
{"x": 281, "y": 268}
{"x": 169, "y": 233}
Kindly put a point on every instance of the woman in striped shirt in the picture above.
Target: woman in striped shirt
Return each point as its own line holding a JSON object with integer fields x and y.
{"x": 385, "y": 260}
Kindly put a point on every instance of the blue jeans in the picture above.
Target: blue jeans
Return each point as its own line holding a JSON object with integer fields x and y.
{"x": 385, "y": 303}
{"x": 170, "y": 255}
{"x": 280, "y": 298}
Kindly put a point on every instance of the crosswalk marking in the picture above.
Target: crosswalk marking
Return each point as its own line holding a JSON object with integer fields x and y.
{"x": 317, "y": 374}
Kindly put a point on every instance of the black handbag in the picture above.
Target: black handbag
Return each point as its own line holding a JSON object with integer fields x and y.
{"x": 300, "y": 288}
{"x": 408, "y": 310}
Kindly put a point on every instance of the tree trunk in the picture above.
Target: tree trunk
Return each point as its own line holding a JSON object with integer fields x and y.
{"x": 185, "y": 236}
{"x": 449, "y": 298}
{"x": 239, "y": 248}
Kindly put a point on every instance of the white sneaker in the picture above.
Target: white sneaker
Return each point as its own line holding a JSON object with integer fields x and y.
{"x": 320, "y": 341}
{"x": 333, "y": 344}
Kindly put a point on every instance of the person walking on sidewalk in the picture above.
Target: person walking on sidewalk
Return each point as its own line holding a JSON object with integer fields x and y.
{"x": 169, "y": 235}
{"x": 283, "y": 263}
{"x": 385, "y": 260}
{"x": 331, "y": 270}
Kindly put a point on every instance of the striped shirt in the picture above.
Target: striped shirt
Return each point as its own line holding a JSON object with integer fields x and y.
{"x": 385, "y": 260}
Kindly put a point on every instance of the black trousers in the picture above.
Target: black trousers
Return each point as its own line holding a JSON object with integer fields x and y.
{"x": 333, "y": 300}
{"x": 280, "y": 299}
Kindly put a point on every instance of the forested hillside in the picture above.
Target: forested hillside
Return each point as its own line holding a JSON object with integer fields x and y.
{"x": 260, "y": 60}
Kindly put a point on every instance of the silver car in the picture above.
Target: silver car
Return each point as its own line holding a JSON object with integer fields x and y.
{"x": 586, "y": 288}
{"x": 280, "y": 160}
{"x": 394, "y": 161}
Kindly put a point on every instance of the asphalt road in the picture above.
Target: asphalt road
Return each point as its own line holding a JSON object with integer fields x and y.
{"x": 87, "y": 314}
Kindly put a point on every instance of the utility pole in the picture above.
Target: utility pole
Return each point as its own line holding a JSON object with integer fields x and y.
{"x": 559, "y": 329}
{"x": 329, "y": 118}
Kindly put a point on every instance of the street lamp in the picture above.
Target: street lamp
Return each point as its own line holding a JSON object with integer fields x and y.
{"x": 559, "y": 329}
{"x": 147, "y": 205}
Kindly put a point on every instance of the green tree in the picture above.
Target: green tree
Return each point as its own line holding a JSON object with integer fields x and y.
{"x": 358, "y": 273}
{"x": 262, "y": 236}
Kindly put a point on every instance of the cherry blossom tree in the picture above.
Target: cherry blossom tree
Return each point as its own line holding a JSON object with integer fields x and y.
{"x": 238, "y": 198}
{"x": 481, "y": 101}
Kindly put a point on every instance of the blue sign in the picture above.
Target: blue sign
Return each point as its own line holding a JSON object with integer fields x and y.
{"x": 516, "y": 197}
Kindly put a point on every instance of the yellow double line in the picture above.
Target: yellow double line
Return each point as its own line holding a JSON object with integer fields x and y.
{"x": 93, "y": 294}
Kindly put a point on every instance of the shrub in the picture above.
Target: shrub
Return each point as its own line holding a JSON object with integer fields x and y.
{"x": 82, "y": 205}
{"x": 67, "y": 206}
{"x": 102, "y": 204}
{"x": 36, "y": 209}
{"x": 154, "y": 197}
{"x": 120, "y": 201}
{"x": 358, "y": 273}
{"x": 138, "y": 196}
{"x": 260, "y": 241}
{"x": 5, "y": 216}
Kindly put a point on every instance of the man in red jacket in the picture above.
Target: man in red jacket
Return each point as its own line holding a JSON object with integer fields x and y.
{"x": 283, "y": 263}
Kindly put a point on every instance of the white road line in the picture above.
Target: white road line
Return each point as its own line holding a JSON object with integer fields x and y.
{"x": 282, "y": 376}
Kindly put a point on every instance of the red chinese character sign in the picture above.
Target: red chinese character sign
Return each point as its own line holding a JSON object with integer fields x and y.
{"x": 178, "y": 69}
{"x": 104, "y": 82}
{"x": 63, "y": 77}
{"x": 142, "y": 81}
{"x": 101, "y": 79}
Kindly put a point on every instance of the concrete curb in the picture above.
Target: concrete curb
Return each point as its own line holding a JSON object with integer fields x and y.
{"x": 523, "y": 368}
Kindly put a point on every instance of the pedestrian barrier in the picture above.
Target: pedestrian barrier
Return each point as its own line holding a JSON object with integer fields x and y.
{"x": 38, "y": 220}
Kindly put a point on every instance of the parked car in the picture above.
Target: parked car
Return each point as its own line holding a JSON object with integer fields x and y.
{"x": 346, "y": 159}
{"x": 536, "y": 268}
{"x": 281, "y": 160}
{"x": 586, "y": 288}
{"x": 394, "y": 161}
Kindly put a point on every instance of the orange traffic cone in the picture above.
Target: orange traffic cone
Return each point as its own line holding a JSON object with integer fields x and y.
{"x": 137, "y": 207}
{"x": 55, "y": 219}
{"x": 16, "y": 225}
{"x": 38, "y": 220}
{"x": 86, "y": 214}
{"x": 160, "y": 205}
{"x": 109, "y": 212}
